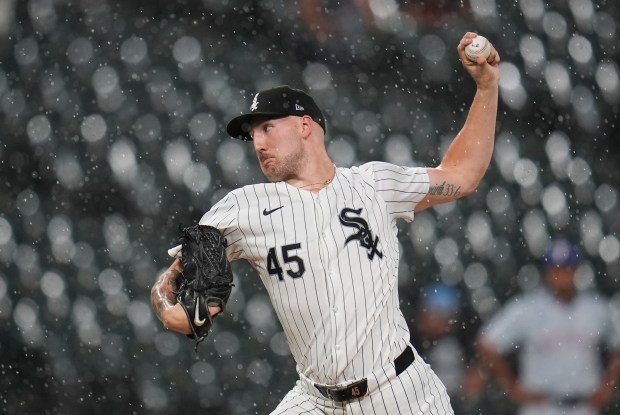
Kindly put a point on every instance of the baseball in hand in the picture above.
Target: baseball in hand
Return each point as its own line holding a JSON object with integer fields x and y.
{"x": 479, "y": 46}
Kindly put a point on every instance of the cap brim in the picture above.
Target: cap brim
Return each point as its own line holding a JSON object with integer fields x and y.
{"x": 239, "y": 126}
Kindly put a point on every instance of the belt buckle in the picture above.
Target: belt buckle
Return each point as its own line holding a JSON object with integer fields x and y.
{"x": 351, "y": 391}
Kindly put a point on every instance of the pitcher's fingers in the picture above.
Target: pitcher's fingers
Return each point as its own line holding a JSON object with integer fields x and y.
{"x": 494, "y": 58}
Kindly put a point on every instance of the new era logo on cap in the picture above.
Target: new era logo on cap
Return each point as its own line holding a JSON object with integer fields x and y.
{"x": 276, "y": 102}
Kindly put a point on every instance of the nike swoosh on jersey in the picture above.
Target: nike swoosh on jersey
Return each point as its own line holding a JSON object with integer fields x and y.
{"x": 197, "y": 320}
{"x": 269, "y": 212}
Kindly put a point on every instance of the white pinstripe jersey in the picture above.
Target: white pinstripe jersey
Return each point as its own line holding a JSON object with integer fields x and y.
{"x": 329, "y": 261}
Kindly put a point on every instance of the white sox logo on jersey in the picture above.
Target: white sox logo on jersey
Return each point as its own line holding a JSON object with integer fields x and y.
{"x": 363, "y": 235}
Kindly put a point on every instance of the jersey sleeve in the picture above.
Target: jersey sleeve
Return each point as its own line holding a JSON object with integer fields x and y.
{"x": 402, "y": 188}
{"x": 224, "y": 216}
{"x": 506, "y": 329}
{"x": 611, "y": 324}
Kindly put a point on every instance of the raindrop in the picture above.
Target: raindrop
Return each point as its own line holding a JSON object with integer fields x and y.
{"x": 579, "y": 171}
{"x": 533, "y": 53}
{"x": 398, "y": 150}
{"x": 110, "y": 281}
{"x": 116, "y": 235}
{"x": 553, "y": 200}
{"x": 591, "y": 231}
{"x": 258, "y": 312}
{"x": 558, "y": 80}
{"x": 38, "y": 129}
{"x": 147, "y": 128}
{"x": 506, "y": 154}
{"x": 432, "y": 47}
{"x": 609, "y": 249}
{"x": 605, "y": 25}
{"x": 342, "y": 151}
{"x": 83, "y": 255}
{"x": 27, "y": 202}
{"x": 532, "y": 9}
{"x": 6, "y": 231}
{"x": 584, "y": 277}
{"x": 80, "y": 51}
{"x": 259, "y": 371}
{"x": 42, "y": 15}
{"x": 528, "y": 277}
{"x": 186, "y": 50}
{"x": 498, "y": 200}
{"x": 512, "y": 91}
{"x": 59, "y": 228}
{"x": 26, "y": 51}
{"x": 168, "y": 344}
{"x": 446, "y": 251}
{"x": 475, "y": 276}
{"x": 478, "y": 231}
{"x": 230, "y": 155}
{"x": 226, "y": 343}
{"x": 177, "y": 158}
{"x": 93, "y": 128}
{"x": 422, "y": 233}
{"x": 202, "y": 127}
{"x": 555, "y": 25}
{"x": 134, "y": 50}
{"x": 3, "y": 288}
{"x": 153, "y": 397}
{"x": 580, "y": 49}
{"x": 317, "y": 76}
{"x": 197, "y": 177}
{"x": 583, "y": 11}
{"x": 525, "y": 172}
{"x": 608, "y": 81}
{"x": 139, "y": 313}
{"x": 203, "y": 373}
{"x": 68, "y": 170}
{"x": 105, "y": 80}
{"x": 534, "y": 225}
{"x": 279, "y": 344}
{"x": 483, "y": 9}
{"x": 52, "y": 284}
{"x": 605, "y": 198}
{"x": 122, "y": 159}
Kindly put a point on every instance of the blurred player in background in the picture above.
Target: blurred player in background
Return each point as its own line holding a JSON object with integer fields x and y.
{"x": 443, "y": 328}
{"x": 559, "y": 334}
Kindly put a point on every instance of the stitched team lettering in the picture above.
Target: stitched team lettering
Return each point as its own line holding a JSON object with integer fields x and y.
{"x": 363, "y": 235}
{"x": 444, "y": 189}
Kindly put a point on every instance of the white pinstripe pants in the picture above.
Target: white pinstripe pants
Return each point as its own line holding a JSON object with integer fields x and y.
{"x": 417, "y": 391}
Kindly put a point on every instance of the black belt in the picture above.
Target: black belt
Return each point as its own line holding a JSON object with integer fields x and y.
{"x": 360, "y": 388}
{"x": 569, "y": 401}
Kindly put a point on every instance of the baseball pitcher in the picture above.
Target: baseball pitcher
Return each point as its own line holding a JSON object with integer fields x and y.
{"x": 323, "y": 240}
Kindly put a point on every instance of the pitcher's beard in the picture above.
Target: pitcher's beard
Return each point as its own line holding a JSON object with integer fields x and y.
{"x": 285, "y": 168}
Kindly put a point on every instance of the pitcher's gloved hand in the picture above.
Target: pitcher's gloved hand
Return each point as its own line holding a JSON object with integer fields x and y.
{"x": 206, "y": 279}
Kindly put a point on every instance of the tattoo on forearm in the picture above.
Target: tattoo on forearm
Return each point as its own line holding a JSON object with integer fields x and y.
{"x": 162, "y": 293}
{"x": 444, "y": 189}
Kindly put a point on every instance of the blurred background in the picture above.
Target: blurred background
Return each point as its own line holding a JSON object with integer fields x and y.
{"x": 112, "y": 134}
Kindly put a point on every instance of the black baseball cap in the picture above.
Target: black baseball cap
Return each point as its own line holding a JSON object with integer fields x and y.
{"x": 277, "y": 102}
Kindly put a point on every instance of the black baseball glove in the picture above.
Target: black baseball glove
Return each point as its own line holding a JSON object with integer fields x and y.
{"x": 206, "y": 279}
